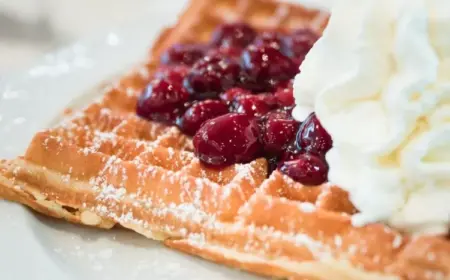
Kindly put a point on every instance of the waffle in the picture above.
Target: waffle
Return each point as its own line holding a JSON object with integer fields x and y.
{"x": 105, "y": 167}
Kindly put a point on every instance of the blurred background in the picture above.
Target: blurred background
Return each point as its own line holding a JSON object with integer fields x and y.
{"x": 30, "y": 28}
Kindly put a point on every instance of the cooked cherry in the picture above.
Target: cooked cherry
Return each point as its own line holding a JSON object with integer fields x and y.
{"x": 162, "y": 100}
{"x": 279, "y": 129}
{"x": 265, "y": 66}
{"x": 288, "y": 109}
{"x": 231, "y": 52}
{"x": 233, "y": 35}
{"x": 269, "y": 99}
{"x": 229, "y": 95}
{"x": 313, "y": 137}
{"x": 172, "y": 73}
{"x": 298, "y": 44}
{"x": 307, "y": 169}
{"x": 285, "y": 95}
{"x": 183, "y": 54}
{"x": 272, "y": 38}
{"x": 251, "y": 105}
{"x": 211, "y": 75}
{"x": 228, "y": 139}
{"x": 200, "y": 112}
{"x": 291, "y": 152}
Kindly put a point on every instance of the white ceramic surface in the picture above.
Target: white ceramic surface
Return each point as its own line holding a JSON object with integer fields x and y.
{"x": 34, "y": 247}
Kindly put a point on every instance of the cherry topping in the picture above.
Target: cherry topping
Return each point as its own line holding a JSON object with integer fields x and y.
{"x": 200, "y": 112}
{"x": 298, "y": 44}
{"x": 228, "y": 139}
{"x": 307, "y": 169}
{"x": 175, "y": 73}
{"x": 285, "y": 95}
{"x": 265, "y": 66}
{"x": 279, "y": 129}
{"x": 162, "y": 100}
{"x": 272, "y": 38}
{"x": 231, "y": 52}
{"x": 183, "y": 54}
{"x": 313, "y": 137}
{"x": 251, "y": 105}
{"x": 269, "y": 99}
{"x": 210, "y": 76}
{"x": 229, "y": 95}
{"x": 233, "y": 35}
{"x": 291, "y": 152}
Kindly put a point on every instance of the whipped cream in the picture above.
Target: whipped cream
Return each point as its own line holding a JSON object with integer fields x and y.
{"x": 379, "y": 82}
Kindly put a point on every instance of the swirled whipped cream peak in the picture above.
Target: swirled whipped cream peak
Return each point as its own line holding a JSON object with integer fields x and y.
{"x": 379, "y": 82}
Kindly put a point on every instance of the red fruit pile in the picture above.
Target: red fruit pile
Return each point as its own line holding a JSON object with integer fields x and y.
{"x": 234, "y": 96}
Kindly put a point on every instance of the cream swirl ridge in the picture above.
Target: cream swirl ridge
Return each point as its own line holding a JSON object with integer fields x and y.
{"x": 379, "y": 81}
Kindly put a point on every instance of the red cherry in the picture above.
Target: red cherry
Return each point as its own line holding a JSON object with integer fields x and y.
{"x": 251, "y": 105}
{"x": 298, "y": 44}
{"x": 200, "y": 112}
{"x": 285, "y": 95}
{"x": 229, "y": 95}
{"x": 237, "y": 35}
{"x": 312, "y": 137}
{"x": 272, "y": 38}
{"x": 228, "y": 139}
{"x": 291, "y": 152}
{"x": 162, "y": 100}
{"x": 279, "y": 130}
{"x": 307, "y": 169}
{"x": 172, "y": 73}
{"x": 231, "y": 52}
{"x": 183, "y": 54}
{"x": 210, "y": 76}
{"x": 264, "y": 67}
{"x": 269, "y": 99}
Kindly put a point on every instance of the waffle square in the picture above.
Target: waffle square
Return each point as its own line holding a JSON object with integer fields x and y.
{"x": 103, "y": 166}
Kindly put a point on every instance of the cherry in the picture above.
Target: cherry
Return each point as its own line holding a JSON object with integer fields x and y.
{"x": 291, "y": 152}
{"x": 279, "y": 129}
{"x": 233, "y": 35}
{"x": 313, "y": 137}
{"x": 307, "y": 169}
{"x": 228, "y": 139}
{"x": 229, "y": 95}
{"x": 231, "y": 52}
{"x": 288, "y": 109}
{"x": 272, "y": 38}
{"x": 285, "y": 95}
{"x": 183, "y": 54}
{"x": 269, "y": 99}
{"x": 200, "y": 112}
{"x": 251, "y": 105}
{"x": 264, "y": 66}
{"x": 210, "y": 76}
{"x": 174, "y": 73}
{"x": 298, "y": 44}
{"x": 163, "y": 100}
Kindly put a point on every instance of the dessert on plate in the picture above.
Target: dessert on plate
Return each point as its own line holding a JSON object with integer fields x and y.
{"x": 218, "y": 147}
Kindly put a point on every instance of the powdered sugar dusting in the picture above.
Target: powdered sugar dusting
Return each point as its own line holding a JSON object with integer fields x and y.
{"x": 307, "y": 207}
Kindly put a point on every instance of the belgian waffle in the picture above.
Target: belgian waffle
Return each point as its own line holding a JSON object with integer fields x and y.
{"x": 104, "y": 166}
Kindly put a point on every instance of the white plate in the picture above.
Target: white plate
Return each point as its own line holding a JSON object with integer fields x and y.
{"x": 34, "y": 247}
